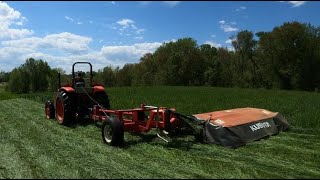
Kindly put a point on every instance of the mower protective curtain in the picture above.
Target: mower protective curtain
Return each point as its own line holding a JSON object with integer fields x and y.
{"x": 237, "y": 127}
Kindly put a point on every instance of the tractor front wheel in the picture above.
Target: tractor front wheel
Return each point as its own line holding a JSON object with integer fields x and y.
{"x": 49, "y": 110}
{"x": 113, "y": 131}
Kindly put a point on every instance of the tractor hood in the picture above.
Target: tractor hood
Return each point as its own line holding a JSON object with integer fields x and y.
{"x": 236, "y": 127}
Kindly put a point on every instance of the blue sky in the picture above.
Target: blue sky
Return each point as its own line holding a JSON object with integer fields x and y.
{"x": 118, "y": 32}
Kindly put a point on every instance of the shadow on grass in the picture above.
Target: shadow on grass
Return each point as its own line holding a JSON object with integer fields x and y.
{"x": 179, "y": 142}
{"x": 143, "y": 138}
{"x": 84, "y": 123}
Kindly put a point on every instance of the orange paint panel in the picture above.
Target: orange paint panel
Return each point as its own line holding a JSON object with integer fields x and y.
{"x": 235, "y": 117}
{"x": 68, "y": 89}
{"x": 98, "y": 89}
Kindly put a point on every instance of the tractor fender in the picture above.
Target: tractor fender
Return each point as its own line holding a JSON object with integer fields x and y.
{"x": 98, "y": 89}
{"x": 68, "y": 89}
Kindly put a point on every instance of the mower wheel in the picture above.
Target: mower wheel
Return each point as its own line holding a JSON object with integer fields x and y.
{"x": 49, "y": 110}
{"x": 102, "y": 99}
{"x": 65, "y": 112}
{"x": 113, "y": 131}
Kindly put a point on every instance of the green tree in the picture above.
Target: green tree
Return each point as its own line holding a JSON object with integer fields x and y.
{"x": 124, "y": 75}
{"x": 19, "y": 81}
{"x": 245, "y": 65}
{"x": 226, "y": 71}
{"x": 291, "y": 55}
{"x": 4, "y": 76}
{"x": 39, "y": 72}
{"x": 106, "y": 76}
{"x": 213, "y": 66}
{"x": 144, "y": 72}
{"x": 179, "y": 63}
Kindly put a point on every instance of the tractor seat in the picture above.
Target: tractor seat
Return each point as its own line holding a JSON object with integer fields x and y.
{"x": 80, "y": 84}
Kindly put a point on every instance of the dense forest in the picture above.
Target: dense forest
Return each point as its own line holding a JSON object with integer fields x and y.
{"x": 288, "y": 57}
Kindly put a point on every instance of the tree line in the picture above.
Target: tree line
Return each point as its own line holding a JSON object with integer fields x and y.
{"x": 288, "y": 57}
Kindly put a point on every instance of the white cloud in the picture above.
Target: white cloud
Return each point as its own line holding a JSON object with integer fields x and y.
{"x": 140, "y": 31}
{"x": 39, "y": 48}
{"x": 229, "y": 41}
{"x": 222, "y": 22}
{"x": 172, "y": 3}
{"x": 14, "y": 33}
{"x": 32, "y": 43}
{"x": 227, "y": 27}
{"x": 172, "y": 40}
{"x": 139, "y": 37}
{"x": 213, "y": 44}
{"x": 69, "y": 18}
{"x": 8, "y": 17}
{"x": 66, "y": 42}
{"x": 108, "y": 55}
{"x": 13, "y": 51}
{"x": 137, "y": 50}
{"x": 294, "y": 3}
{"x": 72, "y": 20}
{"x": 19, "y": 23}
{"x": 125, "y": 22}
{"x": 213, "y": 36}
{"x": 297, "y": 3}
{"x": 241, "y": 8}
{"x": 230, "y": 48}
{"x": 127, "y": 27}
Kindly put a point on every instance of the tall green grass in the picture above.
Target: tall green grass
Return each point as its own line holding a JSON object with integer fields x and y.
{"x": 5, "y": 95}
{"x": 34, "y": 147}
{"x": 301, "y": 109}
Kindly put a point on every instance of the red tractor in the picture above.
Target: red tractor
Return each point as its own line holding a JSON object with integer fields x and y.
{"x": 77, "y": 101}
{"x": 73, "y": 101}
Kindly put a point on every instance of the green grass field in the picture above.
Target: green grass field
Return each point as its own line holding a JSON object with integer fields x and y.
{"x": 34, "y": 147}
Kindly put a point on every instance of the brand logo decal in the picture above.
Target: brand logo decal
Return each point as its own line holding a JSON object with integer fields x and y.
{"x": 260, "y": 126}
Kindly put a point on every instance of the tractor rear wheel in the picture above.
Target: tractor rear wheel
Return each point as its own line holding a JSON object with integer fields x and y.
{"x": 102, "y": 99}
{"x": 65, "y": 112}
{"x": 113, "y": 132}
{"x": 49, "y": 110}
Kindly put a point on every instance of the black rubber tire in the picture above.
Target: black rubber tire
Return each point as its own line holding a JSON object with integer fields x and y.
{"x": 113, "y": 132}
{"x": 49, "y": 110}
{"x": 102, "y": 98}
{"x": 67, "y": 114}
